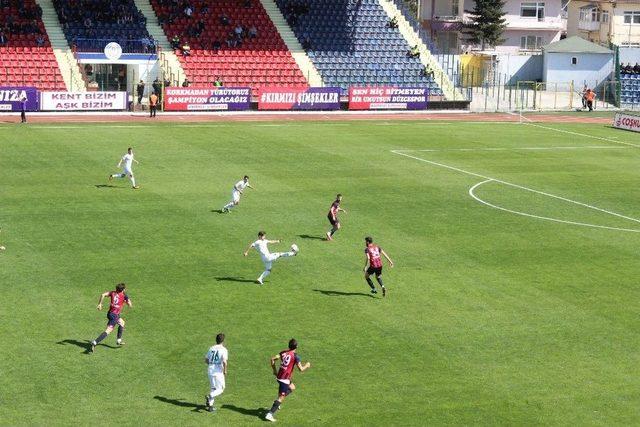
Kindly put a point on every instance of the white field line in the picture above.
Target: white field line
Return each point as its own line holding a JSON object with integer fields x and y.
{"x": 586, "y": 147}
{"x": 583, "y": 135}
{"x": 472, "y": 194}
{"x": 521, "y": 187}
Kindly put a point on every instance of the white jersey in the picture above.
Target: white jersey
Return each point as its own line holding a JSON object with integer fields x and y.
{"x": 127, "y": 161}
{"x": 262, "y": 248}
{"x": 240, "y": 185}
{"x": 216, "y": 357}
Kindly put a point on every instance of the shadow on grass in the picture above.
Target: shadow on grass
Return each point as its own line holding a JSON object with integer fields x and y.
{"x": 85, "y": 345}
{"x": 234, "y": 279}
{"x": 310, "y": 237}
{"x": 107, "y": 186}
{"x": 182, "y": 403}
{"x": 258, "y": 412}
{"x": 217, "y": 211}
{"x": 343, "y": 294}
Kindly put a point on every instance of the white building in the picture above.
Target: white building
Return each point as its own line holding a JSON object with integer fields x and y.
{"x": 577, "y": 60}
{"x": 530, "y": 24}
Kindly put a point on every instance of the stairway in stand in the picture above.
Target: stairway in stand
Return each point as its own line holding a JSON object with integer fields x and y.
{"x": 67, "y": 63}
{"x": 168, "y": 59}
{"x": 292, "y": 42}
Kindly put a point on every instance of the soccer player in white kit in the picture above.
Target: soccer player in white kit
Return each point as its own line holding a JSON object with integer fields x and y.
{"x": 216, "y": 360}
{"x": 128, "y": 160}
{"x": 238, "y": 189}
{"x": 267, "y": 257}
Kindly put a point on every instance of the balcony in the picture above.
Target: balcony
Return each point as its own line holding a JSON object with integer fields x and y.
{"x": 446, "y": 23}
{"x": 589, "y": 25}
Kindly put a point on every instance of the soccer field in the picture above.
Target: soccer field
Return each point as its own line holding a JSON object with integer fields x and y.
{"x": 513, "y": 301}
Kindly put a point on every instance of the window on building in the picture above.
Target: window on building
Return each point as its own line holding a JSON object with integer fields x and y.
{"x": 530, "y": 42}
{"x": 574, "y": 60}
{"x": 532, "y": 10}
{"x": 590, "y": 14}
{"x": 605, "y": 17}
{"x": 632, "y": 18}
{"x": 455, "y": 4}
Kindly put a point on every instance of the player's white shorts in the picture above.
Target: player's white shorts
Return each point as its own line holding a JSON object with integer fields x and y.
{"x": 216, "y": 379}
{"x": 235, "y": 195}
{"x": 127, "y": 171}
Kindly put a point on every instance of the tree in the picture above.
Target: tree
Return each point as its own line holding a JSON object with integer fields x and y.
{"x": 486, "y": 23}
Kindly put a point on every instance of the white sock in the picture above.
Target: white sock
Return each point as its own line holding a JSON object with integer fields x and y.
{"x": 228, "y": 206}
{"x": 216, "y": 392}
{"x": 133, "y": 181}
{"x": 116, "y": 175}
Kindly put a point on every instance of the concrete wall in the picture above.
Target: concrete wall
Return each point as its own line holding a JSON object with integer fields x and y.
{"x": 514, "y": 68}
{"x": 591, "y": 68}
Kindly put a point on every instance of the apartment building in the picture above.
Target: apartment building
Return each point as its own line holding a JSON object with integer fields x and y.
{"x": 602, "y": 21}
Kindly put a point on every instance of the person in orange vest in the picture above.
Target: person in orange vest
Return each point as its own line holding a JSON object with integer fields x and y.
{"x": 153, "y": 104}
{"x": 590, "y": 96}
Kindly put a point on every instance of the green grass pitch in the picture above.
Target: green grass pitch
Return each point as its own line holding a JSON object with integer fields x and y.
{"x": 492, "y": 318}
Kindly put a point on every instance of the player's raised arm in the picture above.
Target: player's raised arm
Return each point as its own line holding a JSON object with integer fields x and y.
{"x": 129, "y": 303}
{"x": 304, "y": 367}
{"x": 119, "y": 163}
{"x": 387, "y": 257}
{"x": 102, "y": 297}
{"x": 248, "y": 249}
{"x": 274, "y": 359}
{"x": 273, "y": 241}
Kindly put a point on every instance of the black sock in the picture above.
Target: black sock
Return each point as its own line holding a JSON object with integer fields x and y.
{"x": 275, "y": 407}
{"x": 120, "y": 331}
{"x": 101, "y": 337}
{"x": 333, "y": 230}
{"x": 370, "y": 282}
{"x": 379, "y": 279}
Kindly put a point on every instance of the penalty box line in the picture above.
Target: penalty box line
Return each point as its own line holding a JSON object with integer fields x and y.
{"x": 510, "y": 184}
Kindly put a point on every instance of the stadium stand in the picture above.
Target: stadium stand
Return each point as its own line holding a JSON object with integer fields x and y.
{"x": 352, "y": 43}
{"x": 90, "y": 24}
{"x": 253, "y": 55}
{"x": 26, "y": 56}
{"x": 629, "y": 88}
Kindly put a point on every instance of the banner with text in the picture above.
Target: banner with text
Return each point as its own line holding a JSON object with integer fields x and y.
{"x": 83, "y": 101}
{"x": 11, "y": 98}
{"x": 207, "y": 99}
{"x": 626, "y": 121}
{"x": 388, "y": 98}
{"x": 289, "y": 98}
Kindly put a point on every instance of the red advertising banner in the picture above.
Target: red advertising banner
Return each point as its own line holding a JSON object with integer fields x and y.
{"x": 388, "y": 98}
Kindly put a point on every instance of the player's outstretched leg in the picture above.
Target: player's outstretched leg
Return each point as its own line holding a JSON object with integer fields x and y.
{"x": 133, "y": 182}
{"x": 227, "y": 207}
{"x": 102, "y": 336}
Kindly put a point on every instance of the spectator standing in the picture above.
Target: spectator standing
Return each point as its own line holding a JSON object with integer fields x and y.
{"x": 23, "y": 109}
{"x": 153, "y": 104}
{"x": 175, "y": 42}
{"x": 140, "y": 91}
{"x": 186, "y": 83}
{"x": 253, "y": 32}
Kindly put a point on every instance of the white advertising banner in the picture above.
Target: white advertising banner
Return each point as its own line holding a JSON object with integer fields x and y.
{"x": 626, "y": 121}
{"x": 83, "y": 101}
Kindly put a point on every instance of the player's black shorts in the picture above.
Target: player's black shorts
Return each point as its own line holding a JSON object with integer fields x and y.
{"x": 284, "y": 389}
{"x": 112, "y": 319}
{"x": 375, "y": 270}
{"x": 332, "y": 221}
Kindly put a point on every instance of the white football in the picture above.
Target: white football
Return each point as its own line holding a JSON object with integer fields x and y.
{"x": 294, "y": 248}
